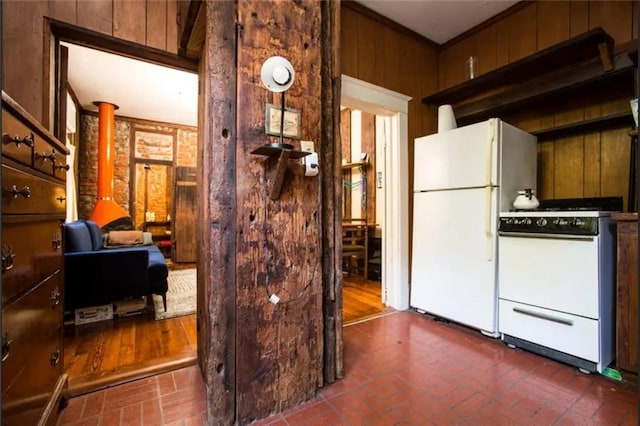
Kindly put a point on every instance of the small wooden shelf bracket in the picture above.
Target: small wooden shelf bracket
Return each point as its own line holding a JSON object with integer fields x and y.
{"x": 284, "y": 152}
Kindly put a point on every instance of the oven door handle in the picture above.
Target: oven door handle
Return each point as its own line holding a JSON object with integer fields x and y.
{"x": 547, "y": 236}
{"x": 543, "y": 316}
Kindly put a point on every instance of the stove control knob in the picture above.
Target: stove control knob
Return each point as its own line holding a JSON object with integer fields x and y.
{"x": 541, "y": 222}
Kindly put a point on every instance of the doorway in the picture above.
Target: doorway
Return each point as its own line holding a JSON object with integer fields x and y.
{"x": 138, "y": 343}
{"x": 391, "y": 110}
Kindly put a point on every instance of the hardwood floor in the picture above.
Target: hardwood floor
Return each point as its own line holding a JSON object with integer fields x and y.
{"x": 105, "y": 353}
{"x": 361, "y": 300}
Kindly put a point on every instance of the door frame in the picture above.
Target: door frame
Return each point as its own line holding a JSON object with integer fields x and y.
{"x": 358, "y": 94}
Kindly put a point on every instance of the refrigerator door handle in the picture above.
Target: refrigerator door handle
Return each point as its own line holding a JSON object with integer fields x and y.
{"x": 489, "y": 186}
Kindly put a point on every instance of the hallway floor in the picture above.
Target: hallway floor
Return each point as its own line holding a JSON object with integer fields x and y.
{"x": 402, "y": 368}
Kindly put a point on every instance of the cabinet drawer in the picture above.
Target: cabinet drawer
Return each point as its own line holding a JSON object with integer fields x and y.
{"x": 34, "y": 386}
{"x": 48, "y": 159}
{"x": 563, "y": 332}
{"x": 15, "y": 130}
{"x": 37, "y": 253}
{"x": 28, "y": 324}
{"x": 26, "y": 194}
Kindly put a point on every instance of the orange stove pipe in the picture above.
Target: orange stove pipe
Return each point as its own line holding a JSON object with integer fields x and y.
{"x": 106, "y": 209}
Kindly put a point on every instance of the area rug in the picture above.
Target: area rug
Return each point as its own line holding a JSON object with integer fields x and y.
{"x": 181, "y": 297}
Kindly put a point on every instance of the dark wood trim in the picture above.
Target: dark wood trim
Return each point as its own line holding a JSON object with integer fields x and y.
{"x": 218, "y": 212}
{"x": 357, "y": 7}
{"x": 60, "y": 112}
{"x": 48, "y": 52}
{"x": 585, "y": 126}
{"x": 481, "y": 26}
{"x": 192, "y": 15}
{"x": 142, "y": 121}
{"x": 331, "y": 193}
{"x": 152, "y": 162}
{"x": 88, "y": 38}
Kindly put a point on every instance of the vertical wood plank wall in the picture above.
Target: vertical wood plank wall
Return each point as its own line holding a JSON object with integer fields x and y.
{"x": 378, "y": 54}
{"x": 581, "y": 165}
{"x": 279, "y": 346}
{"x": 151, "y": 23}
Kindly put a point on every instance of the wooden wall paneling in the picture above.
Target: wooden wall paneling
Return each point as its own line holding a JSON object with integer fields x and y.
{"x": 615, "y": 163}
{"x": 96, "y": 15}
{"x": 486, "y": 46}
{"x": 634, "y": 20}
{"x": 392, "y": 58}
{"x": 546, "y": 170}
{"x": 172, "y": 26}
{"x": 502, "y": 43}
{"x": 217, "y": 212}
{"x": 366, "y": 50}
{"x": 614, "y": 17}
{"x": 380, "y": 71}
{"x": 579, "y": 24}
{"x": 592, "y": 156}
{"x": 156, "y": 28}
{"x": 127, "y": 19}
{"x": 554, "y": 23}
{"x": 22, "y": 49}
{"x": 522, "y": 32}
{"x": 349, "y": 42}
{"x": 63, "y": 10}
{"x": 452, "y": 60}
{"x": 279, "y": 346}
{"x": 568, "y": 167}
{"x": 369, "y": 146}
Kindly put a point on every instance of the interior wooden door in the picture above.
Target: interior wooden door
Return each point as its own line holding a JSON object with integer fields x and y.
{"x": 185, "y": 224}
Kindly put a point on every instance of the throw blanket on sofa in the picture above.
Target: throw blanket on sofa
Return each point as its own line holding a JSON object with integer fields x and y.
{"x": 124, "y": 238}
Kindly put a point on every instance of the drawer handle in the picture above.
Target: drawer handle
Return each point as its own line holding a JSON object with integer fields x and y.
{"x": 7, "y": 257}
{"x": 55, "y": 297}
{"x": 25, "y": 192}
{"x": 47, "y": 156}
{"x": 27, "y": 140}
{"x": 64, "y": 167}
{"x": 6, "y": 346}
{"x": 61, "y": 198}
{"x": 56, "y": 241}
{"x": 543, "y": 316}
{"x": 55, "y": 357}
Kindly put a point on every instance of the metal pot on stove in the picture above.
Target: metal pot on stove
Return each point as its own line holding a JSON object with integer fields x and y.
{"x": 526, "y": 200}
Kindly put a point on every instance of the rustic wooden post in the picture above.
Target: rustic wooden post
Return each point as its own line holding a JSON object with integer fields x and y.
{"x": 217, "y": 319}
{"x": 330, "y": 159}
{"x": 263, "y": 354}
{"x": 278, "y": 345}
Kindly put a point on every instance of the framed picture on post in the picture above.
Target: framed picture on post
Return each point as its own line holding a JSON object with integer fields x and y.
{"x": 292, "y": 121}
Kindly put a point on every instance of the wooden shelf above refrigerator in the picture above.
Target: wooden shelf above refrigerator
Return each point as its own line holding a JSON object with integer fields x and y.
{"x": 579, "y": 63}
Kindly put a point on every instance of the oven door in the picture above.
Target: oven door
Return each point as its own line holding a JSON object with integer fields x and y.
{"x": 557, "y": 272}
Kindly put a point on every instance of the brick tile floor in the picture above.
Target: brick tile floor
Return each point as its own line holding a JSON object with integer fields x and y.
{"x": 401, "y": 369}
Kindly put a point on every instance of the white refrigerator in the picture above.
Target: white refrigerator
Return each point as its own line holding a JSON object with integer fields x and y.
{"x": 463, "y": 179}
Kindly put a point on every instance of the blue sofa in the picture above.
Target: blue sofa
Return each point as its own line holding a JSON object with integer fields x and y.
{"x": 97, "y": 275}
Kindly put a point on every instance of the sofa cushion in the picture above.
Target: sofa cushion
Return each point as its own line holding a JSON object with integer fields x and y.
{"x": 77, "y": 237}
{"x": 95, "y": 233}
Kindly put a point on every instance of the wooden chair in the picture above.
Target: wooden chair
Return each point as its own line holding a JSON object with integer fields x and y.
{"x": 355, "y": 248}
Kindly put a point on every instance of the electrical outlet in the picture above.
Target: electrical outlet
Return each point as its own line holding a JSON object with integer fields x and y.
{"x": 307, "y": 146}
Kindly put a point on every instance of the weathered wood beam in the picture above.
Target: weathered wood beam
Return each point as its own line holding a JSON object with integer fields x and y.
{"x": 331, "y": 202}
{"x": 217, "y": 320}
{"x": 278, "y": 345}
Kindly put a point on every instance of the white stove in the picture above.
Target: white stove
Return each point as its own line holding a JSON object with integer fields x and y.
{"x": 556, "y": 284}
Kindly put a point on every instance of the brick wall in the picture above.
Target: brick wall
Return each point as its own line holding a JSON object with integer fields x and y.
{"x": 160, "y": 177}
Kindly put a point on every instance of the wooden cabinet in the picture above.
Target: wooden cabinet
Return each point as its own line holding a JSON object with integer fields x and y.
{"x": 33, "y": 211}
{"x": 627, "y": 293}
